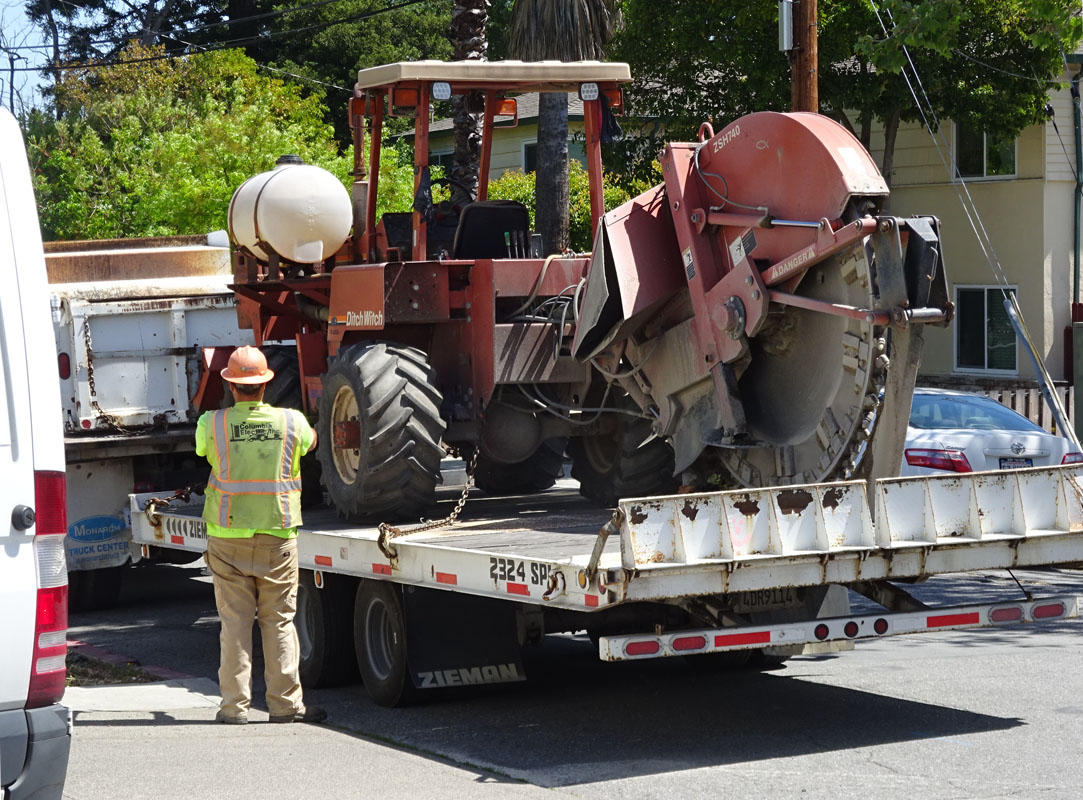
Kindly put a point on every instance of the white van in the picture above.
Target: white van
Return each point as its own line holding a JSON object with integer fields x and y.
{"x": 35, "y": 730}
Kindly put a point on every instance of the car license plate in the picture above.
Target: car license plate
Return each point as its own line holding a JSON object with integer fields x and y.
{"x": 1016, "y": 463}
{"x": 766, "y": 600}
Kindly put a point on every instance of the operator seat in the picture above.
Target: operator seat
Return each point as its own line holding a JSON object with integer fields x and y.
{"x": 482, "y": 228}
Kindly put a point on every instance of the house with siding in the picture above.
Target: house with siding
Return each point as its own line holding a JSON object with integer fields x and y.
{"x": 514, "y": 147}
{"x": 1024, "y": 192}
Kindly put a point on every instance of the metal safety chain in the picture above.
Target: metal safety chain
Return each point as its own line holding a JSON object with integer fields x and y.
{"x": 151, "y": 506}
{"x": 389, "y": 532}
{"x": 109, "y": 419}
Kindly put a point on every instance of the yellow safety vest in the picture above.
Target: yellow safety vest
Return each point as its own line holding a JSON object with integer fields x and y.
{"x": 255, "y": 475}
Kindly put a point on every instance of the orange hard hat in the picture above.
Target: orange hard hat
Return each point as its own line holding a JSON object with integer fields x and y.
{"x": 247, "y": 365}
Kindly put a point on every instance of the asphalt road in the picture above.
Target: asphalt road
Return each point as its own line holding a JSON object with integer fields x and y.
{"x": 979, "y": 714}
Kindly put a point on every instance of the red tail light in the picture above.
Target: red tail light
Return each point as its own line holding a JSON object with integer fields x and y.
{"x": 643, "y": 647}
{"x": 1072, "y": 458}
{"x": 63, "y": 363}
{"x": 50, "y": 503}
{"x": 48, "y": 671}
{"x": 948, "y": 460}
{"x": 689, "y": 643}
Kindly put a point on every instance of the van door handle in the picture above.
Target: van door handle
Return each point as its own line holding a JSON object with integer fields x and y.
{"x": 22, "y": 517}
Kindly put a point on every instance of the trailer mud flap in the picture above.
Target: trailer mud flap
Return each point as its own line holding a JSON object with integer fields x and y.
{"x": 460, "y": 640}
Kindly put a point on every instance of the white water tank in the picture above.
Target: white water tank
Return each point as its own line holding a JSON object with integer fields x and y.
{"x": 301, "y": 212}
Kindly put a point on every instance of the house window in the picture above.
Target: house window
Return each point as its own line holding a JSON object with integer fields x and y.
{"x": 444, "y": 159}
{"x": 984, "y": 337}
{"x": 981, "y": 155}
{"x": 576, "y": 150}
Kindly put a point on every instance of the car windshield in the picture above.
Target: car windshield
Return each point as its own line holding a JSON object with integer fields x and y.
{"x": 937, "y": 412}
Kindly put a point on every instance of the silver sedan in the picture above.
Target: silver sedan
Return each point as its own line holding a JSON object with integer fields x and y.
{"x": 953, "y": 431}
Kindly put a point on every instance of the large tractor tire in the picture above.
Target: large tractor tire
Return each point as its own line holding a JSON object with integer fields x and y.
{"x": 534, "y": 474}
{"x": 380, "y": 429}
{"x": 621, "y": 465}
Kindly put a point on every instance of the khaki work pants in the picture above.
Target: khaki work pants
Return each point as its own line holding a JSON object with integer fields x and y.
{"x": 256, "y": 578}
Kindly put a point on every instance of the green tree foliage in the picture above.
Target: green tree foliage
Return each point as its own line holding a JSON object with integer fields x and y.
{"x": 157, "y": 148}
{"x": 325, "y": 45}
{"x": 516, "y": 185}
{"x": 986, "y": 62}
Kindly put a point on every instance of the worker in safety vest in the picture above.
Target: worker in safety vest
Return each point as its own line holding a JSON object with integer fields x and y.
{"x": 252, "y": 510}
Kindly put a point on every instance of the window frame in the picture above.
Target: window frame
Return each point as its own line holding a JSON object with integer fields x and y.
{"x": 957, "y": 173}
{"x": 985, "y": 318}
{"x": 523, "y": 144}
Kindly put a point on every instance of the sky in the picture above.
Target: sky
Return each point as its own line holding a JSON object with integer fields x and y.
{"x": 16, "y": 31}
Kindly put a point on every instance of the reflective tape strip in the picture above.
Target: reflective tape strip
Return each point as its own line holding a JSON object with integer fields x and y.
{"x": 221, "y": 445}
{"x": 289, "y": 442}
{"x": 255, "y": 487}
{"x": 221, "y": 440}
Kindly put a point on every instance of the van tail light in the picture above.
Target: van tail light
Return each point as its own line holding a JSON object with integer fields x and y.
{"x": 48, "y": 670}
{"x": 1072, "y": 458}
{"x": 948, "y": 460}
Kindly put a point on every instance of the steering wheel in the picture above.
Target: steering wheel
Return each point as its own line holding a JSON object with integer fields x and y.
{"x": 456, "y": 207}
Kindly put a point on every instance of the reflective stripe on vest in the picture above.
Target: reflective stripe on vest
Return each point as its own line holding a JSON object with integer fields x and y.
{"x": 283, "y": 486}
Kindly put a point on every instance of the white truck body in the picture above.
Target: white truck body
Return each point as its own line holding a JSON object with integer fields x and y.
{"x": 552, "y": 553}
{"x": 128, "y": 345}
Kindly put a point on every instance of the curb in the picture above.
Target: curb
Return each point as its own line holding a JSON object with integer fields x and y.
{"x": 98, "y": 654}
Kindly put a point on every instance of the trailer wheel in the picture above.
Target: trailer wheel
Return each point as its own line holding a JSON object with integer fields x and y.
{"x": 534, "y": 474}
{"x": 621, "y": 465}
{"x": 761, "y": 660}
{"x": 379, "y": 627}
{"x": 324, "y": 625}
{"x": 380, "y": 428}
{"x": 95, "y": 589}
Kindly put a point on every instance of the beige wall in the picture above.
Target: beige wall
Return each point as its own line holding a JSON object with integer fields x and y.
{"x": 1028, "y": 220}
{"x": 507, "y": 145}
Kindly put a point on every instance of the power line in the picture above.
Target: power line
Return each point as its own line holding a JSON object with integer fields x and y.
{"x": 267, "y": 67}
{"x": 201, "y": 28}
{"x": 993, "y": 68}
{"x": 230, "y": 43}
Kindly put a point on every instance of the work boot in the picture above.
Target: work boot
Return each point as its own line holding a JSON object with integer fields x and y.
{"x": 313, "y": 714}
{"x": 229, "y": 719}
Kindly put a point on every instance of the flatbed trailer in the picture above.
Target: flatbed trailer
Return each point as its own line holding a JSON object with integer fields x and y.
{"x": 762, "y": 571}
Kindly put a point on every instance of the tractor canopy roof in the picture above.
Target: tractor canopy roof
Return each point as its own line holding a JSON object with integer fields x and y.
{"x": 525, "y": 76}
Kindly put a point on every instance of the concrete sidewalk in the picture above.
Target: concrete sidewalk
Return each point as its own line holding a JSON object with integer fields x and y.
{"x": 159, "y": 741}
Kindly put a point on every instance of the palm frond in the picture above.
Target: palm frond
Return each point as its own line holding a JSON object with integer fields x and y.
{"x": 562, "y": 30}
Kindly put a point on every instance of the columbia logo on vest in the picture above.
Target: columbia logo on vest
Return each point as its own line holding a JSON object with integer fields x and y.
{"x": 254, "y": 432}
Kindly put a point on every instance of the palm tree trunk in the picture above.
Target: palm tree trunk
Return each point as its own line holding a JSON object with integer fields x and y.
{"x": 552, "y": 172}
{"x": 891, "y": 131}
{"x": 467, "y": 34}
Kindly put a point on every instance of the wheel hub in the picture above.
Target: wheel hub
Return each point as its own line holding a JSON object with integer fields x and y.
{"x": 345, "y": 423}
{"x": 806, "y": 386}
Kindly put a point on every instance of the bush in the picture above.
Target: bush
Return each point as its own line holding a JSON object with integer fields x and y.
{"x": 516, "y": 185}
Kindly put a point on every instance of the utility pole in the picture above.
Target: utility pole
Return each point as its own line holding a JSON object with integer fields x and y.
{"x": 804, "y": 58}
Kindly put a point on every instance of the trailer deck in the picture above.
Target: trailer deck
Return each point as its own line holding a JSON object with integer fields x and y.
{"x": 557, "y": 550}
